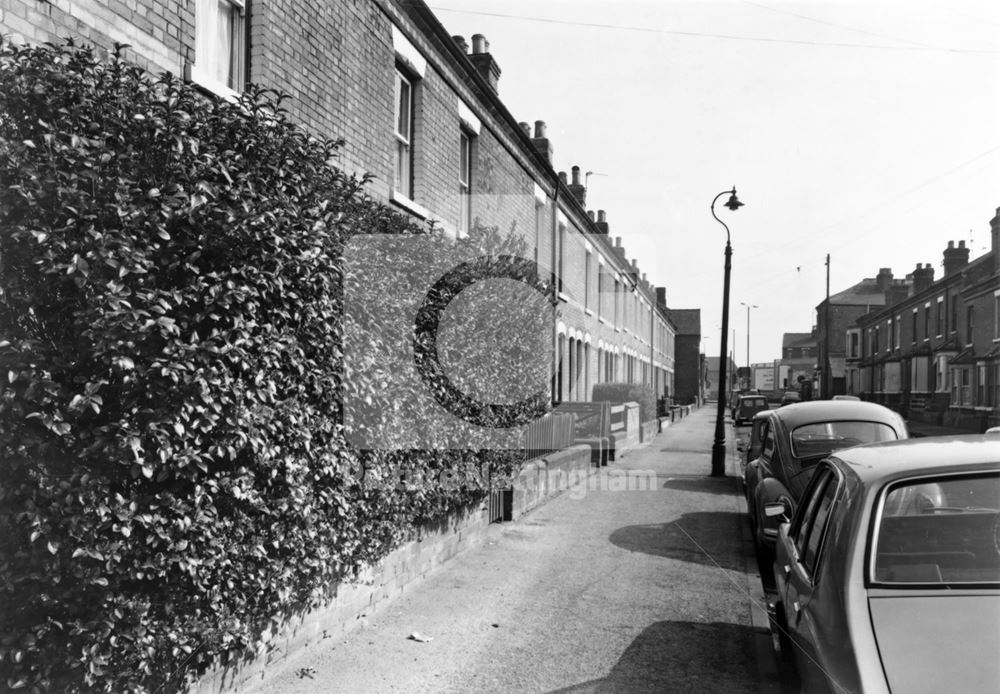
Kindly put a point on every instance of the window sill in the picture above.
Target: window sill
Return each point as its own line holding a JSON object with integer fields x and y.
{"x": 202, "y": 79}
{"x": 588, "y": 311}
{"x": 563, "y": 297}
{"x": 410, "y": 206}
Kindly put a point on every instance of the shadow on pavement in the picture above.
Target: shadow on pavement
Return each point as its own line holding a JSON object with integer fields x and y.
{"x": 701, "y": 537}
{"x": 689, "y": 657}
{"x": 702, "y": 483}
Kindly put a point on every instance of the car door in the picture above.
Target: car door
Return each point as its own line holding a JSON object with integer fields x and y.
{"x": 800, "y": 559}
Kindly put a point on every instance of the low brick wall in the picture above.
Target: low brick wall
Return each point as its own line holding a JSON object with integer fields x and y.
{"x": 350, "y": 604}
{"x": 543, "y": 478}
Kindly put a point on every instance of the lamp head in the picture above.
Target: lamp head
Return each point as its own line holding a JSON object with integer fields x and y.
{"x": 734, "y": 203}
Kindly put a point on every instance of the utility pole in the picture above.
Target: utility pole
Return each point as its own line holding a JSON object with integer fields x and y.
{"x": 827, "y": 380}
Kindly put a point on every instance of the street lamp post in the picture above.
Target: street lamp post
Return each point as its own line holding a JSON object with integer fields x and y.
{"x": 719, "y": 447}
{"x": 749, "y": 370}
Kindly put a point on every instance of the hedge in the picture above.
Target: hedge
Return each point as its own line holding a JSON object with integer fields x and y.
{"x": 628, "y": 392}
{"x": 175, "y": 477}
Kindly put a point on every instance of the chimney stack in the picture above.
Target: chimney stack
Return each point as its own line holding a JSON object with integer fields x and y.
{"x": 542, "y": 144}
{"x": 602, "y": 223}
{"x": 578, "y": 190}
{"x": 884, "y": 279}
{"x": 483, "y": 61}
{"x": 955, "y": 258}
{"x": 923, "y": 277}
{"x": 661, "y": 298}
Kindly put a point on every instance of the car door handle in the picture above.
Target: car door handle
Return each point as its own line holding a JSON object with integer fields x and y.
{"x": 788, "y": 570}
{"x": 796, "y": 607}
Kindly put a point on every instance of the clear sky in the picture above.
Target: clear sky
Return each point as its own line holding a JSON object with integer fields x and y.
{"x": 869, "y": 130}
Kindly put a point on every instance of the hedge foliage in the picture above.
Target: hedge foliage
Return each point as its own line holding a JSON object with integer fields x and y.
{"x": 175, "y": 476}
{"x": 628, "y": 392}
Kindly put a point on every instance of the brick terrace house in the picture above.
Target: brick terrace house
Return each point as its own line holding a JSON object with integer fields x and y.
{"x": 933, "y": 353}
{"x": 420, "y": 111}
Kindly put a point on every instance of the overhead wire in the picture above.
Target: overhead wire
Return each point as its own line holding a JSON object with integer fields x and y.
{"x": 700, "y": 34}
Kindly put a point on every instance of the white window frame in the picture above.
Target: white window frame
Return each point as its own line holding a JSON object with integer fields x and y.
{"x": 403, "y": 134}
{"x": 465, "y": 182}
{"x": 205, "y": 71}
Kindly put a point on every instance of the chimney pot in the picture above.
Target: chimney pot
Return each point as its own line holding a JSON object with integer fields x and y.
{"x": 590, "y": 213}
{"x": 480, "y": 44}
{"x": 951, "y": 244}
{"x": 601, "y": 216}
{"x": 576, "y": 175}
{"x": 539, "y": 128}
{"x": 461, "y": 43}
{"x": 961, "y": 244}
{"x": 562, "y": 177}
{"x": 618, "y": 241}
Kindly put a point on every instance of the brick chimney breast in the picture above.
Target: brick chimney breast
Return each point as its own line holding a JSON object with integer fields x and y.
{"x": 483, "y": 61}
{"x": 955, "y": 258}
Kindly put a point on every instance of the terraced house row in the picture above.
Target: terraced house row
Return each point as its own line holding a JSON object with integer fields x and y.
{"x": 929, "y": 348}
{"x": 420, "y": 112}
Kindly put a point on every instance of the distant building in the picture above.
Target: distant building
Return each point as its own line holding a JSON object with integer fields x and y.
{"x": 834, "y": 316}
{"x": 688, "y": 386}
{"x": 798, "y": 362}
{"x": 712, "y": 378}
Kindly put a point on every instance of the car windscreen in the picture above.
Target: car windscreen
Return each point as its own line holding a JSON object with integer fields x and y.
{"x": 817, "y": 439}
{"x": 939, "y": 532}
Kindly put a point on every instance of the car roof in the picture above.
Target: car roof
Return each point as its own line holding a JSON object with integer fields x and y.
{"x": 800, "y": 413}
{"x": 878, "y": 462}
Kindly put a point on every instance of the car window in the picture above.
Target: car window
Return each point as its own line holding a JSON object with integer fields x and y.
{"x": 767, "y": 450}
{"x": 939, "y": 531}
{"x": 817, "y": 527}
{"x": 817, "y": 439}
{"x": 813, "y": 499}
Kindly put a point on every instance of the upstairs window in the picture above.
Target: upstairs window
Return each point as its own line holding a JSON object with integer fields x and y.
{"x": 404, "y": 134}
{"x": 220, "y": 46}
{"x": 465, "y": 183}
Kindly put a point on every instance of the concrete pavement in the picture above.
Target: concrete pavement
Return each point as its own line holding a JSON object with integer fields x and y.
{"x": 641, "y": 579}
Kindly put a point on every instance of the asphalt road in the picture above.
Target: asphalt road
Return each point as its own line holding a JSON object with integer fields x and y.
{"x": 641, "y": 581}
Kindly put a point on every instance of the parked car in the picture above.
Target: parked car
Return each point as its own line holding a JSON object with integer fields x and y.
{"x": 747, "y": 406}
{"x": 788, "y": 442}
{"x": 888, "y": 574}
{"x": 789, "y": 397}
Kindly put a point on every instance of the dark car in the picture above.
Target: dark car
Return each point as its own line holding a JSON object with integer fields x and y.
{"x": 888, "y": 575}
{"x": 747, "y": 406}
{"x": 788, "y": 444}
